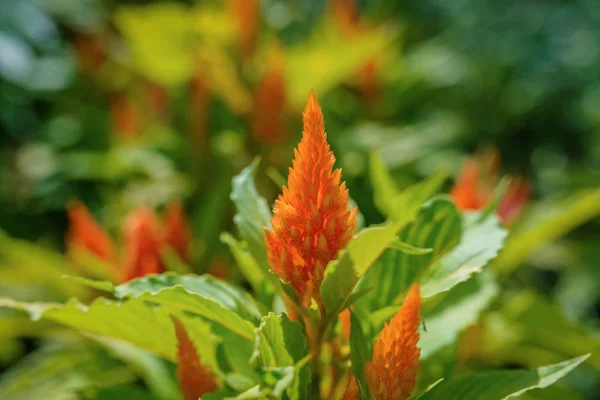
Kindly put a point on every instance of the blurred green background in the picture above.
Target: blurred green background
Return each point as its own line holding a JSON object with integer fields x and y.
{"x": 122, "y": 104}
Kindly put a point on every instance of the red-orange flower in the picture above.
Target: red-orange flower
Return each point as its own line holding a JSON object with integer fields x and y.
{"x": 311, "y": 220}
{"x": 195, "y": 379}
{"x": 84, "y": 232}
{"x": 144, "y": 238}
{"x": 475, "y": 187}
{"x": 246, "y": 13}
{"x": 142, "y": 245}
{"x": 392, "y": 373}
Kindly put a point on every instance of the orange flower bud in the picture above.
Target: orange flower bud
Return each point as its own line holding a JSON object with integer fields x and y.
{"x": 177, "y": 232}
{"x": 246, "y": 13}
{"x": 85, "y": 232}
{"x": 514, "y": 200}
{"x": 142, "y": 244}
{"x": 311, "y": 220}
{"x": 195, "y": 379}
{"x": 392, "y": 373}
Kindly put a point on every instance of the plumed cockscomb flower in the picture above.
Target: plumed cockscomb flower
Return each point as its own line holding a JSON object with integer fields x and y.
{"x": 311, "y": 220}
{"x": 474, "y": 188}
{"x": 142, "y": 244}
{"x": 86, "y": 233}
{"x": 392, "y": 372}
{"x": 195, "y": 379}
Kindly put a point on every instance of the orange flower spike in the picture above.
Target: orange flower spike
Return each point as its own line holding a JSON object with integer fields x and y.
{"x": 85, "y": 232}
{"x": 392, "y": 373}
{"x": 195, "y": 379}
{"x": 344, "y": 318}
{"x": 177, "y": 231}
{"x": 142, "y": 245}
{"x": 269, "y": 104}
{"x": 311, "y": 221}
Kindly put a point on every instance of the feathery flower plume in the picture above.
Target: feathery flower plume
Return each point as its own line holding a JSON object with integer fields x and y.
{"x": 142, "y": 244}
{"x": 85, "y": 232}
{"x": 195, "y": 379}
{"x": 392, "y": 372}
{"x": 476, "y": 183}
{"x": 311, "y": 221}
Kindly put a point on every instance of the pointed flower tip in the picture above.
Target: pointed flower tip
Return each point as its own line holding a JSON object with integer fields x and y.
{"x": 195, "y": 379}
{"x": 392, "y": 373}
{"x": 311, "y": 219}
{"x": 85, "y": 232}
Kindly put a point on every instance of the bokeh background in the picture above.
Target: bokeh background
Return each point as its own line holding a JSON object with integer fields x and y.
{"x": 122, "y": 104}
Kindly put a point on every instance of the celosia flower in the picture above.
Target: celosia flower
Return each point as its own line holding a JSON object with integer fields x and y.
{"x": 392, "y": 372}
{"x": 84, "y": 232}
{"x": 311, "y": 220}
{"x": 142, "y": 245}
{"x": 144, "y": 238}
{"x": 195, "y": 379}
{"x": 475, "y": 187}
{"x": 246, "y": 13}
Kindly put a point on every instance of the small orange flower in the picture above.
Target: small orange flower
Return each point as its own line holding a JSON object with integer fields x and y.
{"x": 311, "y": 220}
{"x": 475, "y": 187}
{"x": 246, "y": 13}
{"x": 195, "y": 379}
{"x": 85, "y": 232}
{"x": 392, "y": 373}
{"x": 142, "y": 245}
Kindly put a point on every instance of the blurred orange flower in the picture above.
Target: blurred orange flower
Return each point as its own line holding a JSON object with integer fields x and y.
{"x": 195, "y": 379}
{"x": 311, "y": 220}
{"x": 84, "y": 232}
{"x": 476, "y": 183}
{"x": 392, "y": 373}
{"x": 144, "y": 238}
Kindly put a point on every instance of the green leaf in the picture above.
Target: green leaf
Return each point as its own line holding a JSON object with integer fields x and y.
{"x": 482, "y": 239}
{"x": 342, "y": 274}
{"x": 459, "y": 309}
{"x": 409, "y": 248}
{"x": 249, "y": 267}
{"x": 500, "y": 385}
{"x": 384, "y": 188}
{"x": 544, "y": 225}
{"x": 359, "y": 352}
{"x": 402, "y": 205}
{"x": 140, "y": 322}
{"x": 437, "y": 226}
{"x": 253, "y": 213}
{"x": 539, "y": 323}
{"x": 282, "y": 343}
{"x": 205, "y": 286}
{"x": 27, "y": 265}
{"x": 419, "y": 395}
